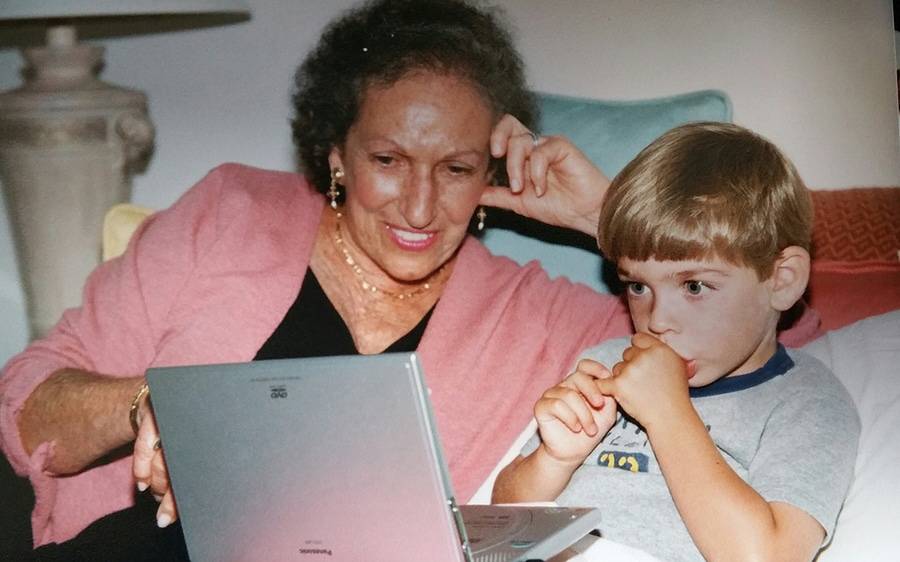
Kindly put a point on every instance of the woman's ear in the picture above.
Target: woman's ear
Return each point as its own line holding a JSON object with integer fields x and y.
{"x": 789, "y": 277}
{"x": 335, "y": 162}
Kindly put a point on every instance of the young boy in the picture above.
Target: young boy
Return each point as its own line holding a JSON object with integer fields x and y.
{"x": 727, "y": 446}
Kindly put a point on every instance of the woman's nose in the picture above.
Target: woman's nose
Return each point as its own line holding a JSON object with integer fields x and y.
{"x": 420, "y": 199}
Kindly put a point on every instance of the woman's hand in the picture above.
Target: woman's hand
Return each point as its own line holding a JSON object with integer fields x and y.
{"x": 150, "y": 469}
{"x": 550, "y": 179}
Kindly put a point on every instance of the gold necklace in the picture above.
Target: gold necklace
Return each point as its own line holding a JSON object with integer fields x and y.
{"x": 368, "y": 285}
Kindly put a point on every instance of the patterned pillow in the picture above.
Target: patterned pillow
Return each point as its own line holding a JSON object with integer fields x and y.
{"x": 854, "y": 225}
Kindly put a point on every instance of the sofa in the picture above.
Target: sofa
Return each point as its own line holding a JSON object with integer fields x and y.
{"x": 854, "y": 289}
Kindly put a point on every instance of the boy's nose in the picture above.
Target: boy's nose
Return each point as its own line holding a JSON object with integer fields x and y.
{"x": 661, "y": 320}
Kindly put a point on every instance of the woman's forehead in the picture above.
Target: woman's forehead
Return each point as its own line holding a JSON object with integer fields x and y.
{"x": 436, "y": 106}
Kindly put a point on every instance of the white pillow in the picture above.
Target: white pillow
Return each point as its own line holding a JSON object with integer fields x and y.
{"x": 865, "y": 356}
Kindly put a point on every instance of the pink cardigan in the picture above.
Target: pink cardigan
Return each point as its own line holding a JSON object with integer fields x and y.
{"x": 209, "y": 279}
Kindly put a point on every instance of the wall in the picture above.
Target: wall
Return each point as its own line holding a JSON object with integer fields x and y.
{"x": 815, "y": 76}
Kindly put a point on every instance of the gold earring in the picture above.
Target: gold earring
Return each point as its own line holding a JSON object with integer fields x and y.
{"x": 481, "y": 214}
{"x": 333, "y": 192}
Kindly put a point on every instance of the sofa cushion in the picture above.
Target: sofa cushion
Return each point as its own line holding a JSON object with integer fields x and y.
{"x": 856, "y": 254}
{"x": 853, "y": 225}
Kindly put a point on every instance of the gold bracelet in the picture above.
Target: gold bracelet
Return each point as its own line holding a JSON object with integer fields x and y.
{"x": 142, "y": 392}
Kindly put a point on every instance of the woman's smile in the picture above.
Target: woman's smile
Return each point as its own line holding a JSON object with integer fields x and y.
{"x": 412, "y": 240}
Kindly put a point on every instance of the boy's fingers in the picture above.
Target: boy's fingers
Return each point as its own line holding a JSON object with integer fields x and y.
{"x": 607, "y": 386}
{"x": 571, "y": 408}
{"x": 551, "y": 409}
{"x": 586, "y": 385}
{"x": 643, "y": 340}
{"x": 591, "y": 367}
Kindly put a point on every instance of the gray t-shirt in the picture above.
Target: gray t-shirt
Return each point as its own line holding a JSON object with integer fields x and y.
{"x": 789, "y": 429}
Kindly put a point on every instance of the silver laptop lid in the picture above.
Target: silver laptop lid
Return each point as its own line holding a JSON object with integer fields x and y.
{"x": 253, "y": 483}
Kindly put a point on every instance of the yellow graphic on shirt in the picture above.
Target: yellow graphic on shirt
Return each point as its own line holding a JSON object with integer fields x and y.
{"x": 632, "y": 462}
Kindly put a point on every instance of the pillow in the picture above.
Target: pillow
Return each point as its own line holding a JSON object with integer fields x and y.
{"x": 861, "y": 224}
{"x": 119, "y": 224}
{"x": 610, "y": 133}
{"x": 855, "y": 250}
{"x": 864, "y": 356}
{"x": 844, "y": 292}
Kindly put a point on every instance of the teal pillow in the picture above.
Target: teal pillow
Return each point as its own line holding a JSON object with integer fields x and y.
{"x": 610, "y": 133}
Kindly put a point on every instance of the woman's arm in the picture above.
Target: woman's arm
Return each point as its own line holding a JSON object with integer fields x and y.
{"x": 550, "y": 179}
{"x": 84, "y": 415}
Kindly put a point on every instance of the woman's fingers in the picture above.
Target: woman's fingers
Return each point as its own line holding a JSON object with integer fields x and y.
{"x": 518, "y": 152}
{"x": 167, "y": 512}
{"x": 159, "y": 476}
{"x": 144, "y": 451}
{"x": 507, "y": 127}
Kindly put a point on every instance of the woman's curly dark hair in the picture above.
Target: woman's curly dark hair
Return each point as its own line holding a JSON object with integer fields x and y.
{"x": 379, "y": 43}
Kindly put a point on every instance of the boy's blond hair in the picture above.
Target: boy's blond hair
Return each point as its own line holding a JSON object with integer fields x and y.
{"x": 707, "y": 190}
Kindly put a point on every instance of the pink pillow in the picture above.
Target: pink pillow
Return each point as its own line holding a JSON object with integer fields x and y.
{"x": 844, "y": 292}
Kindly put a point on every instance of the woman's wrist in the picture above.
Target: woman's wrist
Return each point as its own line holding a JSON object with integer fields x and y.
{"x": 138, "y": 406}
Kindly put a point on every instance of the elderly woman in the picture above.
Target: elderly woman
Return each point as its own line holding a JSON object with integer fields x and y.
{"x": 400, "y": 125}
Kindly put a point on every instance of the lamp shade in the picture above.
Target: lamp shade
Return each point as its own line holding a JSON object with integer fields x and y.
{"x": 47, "y": 9}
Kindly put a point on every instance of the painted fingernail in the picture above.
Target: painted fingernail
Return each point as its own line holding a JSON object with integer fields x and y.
{"x": 164, "y": 520}
{"x": 515, "y": 185}
{"x": 142, "y": 486}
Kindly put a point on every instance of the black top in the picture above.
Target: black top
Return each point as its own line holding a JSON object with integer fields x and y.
{"x": 313, "y": 328}
{"x": 310, "y": 328}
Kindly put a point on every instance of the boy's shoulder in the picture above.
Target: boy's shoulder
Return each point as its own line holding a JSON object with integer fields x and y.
{"x": 810, "y": 375}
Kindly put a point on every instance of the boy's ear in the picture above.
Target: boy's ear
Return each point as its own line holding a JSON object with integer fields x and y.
{"x": 789, "y": 277}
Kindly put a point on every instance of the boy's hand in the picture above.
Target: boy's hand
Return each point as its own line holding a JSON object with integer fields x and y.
{"x": 650, "y": 383}
{"x": 574, "y": 415}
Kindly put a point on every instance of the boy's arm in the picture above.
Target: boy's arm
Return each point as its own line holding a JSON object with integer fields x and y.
{"x": 726, "y": 518}
{"x": 537, "y": 477}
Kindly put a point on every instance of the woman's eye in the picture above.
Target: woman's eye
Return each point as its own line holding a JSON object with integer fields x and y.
{"x": 636, "y": 289}
{"x": 694, "y": 287}
{"x": 458, "y": 170}
{"x": 384, "y": 159}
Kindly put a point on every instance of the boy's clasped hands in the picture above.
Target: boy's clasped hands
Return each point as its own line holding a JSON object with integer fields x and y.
{"x": 650, "y": 384}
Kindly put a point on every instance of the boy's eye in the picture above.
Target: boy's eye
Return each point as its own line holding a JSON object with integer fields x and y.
{"x": 636, "y": 288}
{"x": 694, "y": 287}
